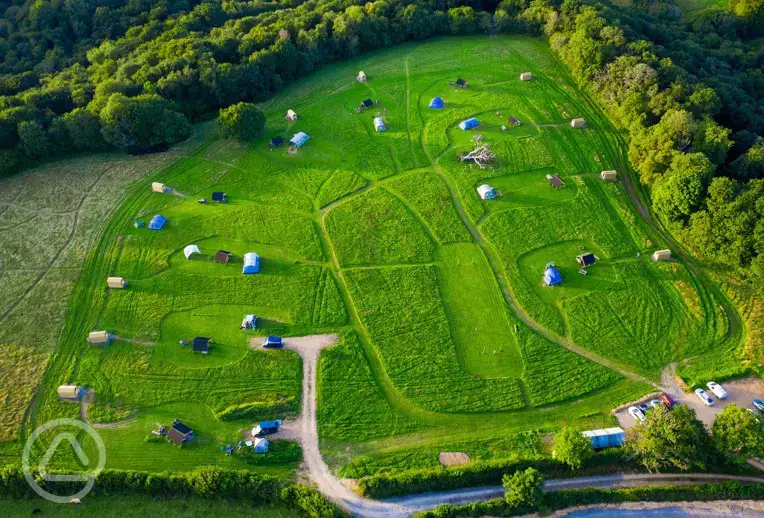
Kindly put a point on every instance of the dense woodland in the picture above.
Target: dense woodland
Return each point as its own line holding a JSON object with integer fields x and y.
{"x": 98, "y": 74}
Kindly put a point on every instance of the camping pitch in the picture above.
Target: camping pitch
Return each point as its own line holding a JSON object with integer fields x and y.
{"x": 469, "y": 124}
{"x": 251, "y": 263}
{"x": 157, "y": 222}
{"x": 436, "y": 103}
{"x": 486, "y": 192}
{"x": 551, "y": 276}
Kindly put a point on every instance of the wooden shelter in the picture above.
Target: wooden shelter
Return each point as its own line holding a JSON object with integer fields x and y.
{"x": 661, "y": 255}
{"x": 222, "y": 256}
{"x": 514, "y": 121}
{"x": 68, "y": 391}
{"x": 609, "y": 176}
{"x": 116, "y": 282}
{"x": 526, "y": 76}
{"x": 555, "y": 181}
{"x": 578, "y": 123}
{"x": 99, "y": 337}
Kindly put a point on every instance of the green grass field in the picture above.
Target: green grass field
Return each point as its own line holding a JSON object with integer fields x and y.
{"x": 382, "y": 238}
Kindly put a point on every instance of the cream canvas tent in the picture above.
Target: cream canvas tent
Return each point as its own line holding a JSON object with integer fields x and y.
{"x": 68, "y": 391}
{"x": 526, "y": 76}
{"x": 159, "y": 187}
{"x": 361, "y": 77}
{"x": 486, "y": 192}
{"x": 662, "y": 255}
{"x": 261, "y": 445}
{"x": 291, "y": 115}
{"x": 99, "y": 337}
{"x": 116, "y": 282}
{"x": 191, "y": 250}
{"x": 609, "y": 176}
{"x": 578, "y": 123}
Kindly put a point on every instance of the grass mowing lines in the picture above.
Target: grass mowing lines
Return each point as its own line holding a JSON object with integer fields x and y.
{"x": 339, "y": 184}
{"x": 376, "y": 228}
{"x": 402, "y": 310}
{"x": 477, "y": 312}
{"x": 430, "y": 198}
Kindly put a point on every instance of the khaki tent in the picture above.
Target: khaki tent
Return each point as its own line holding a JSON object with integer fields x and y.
{"x": 361, "y": 77}
{"x": 99, "y": 337}
{"x": 291, "y": 115}
{"x": 158, "y": 187}
{"x": 662, "y": 255}
{"x": 116, "y": 282}
{"x": 609, "y": 176}
{"x": 578, "y": 123}
{"x": 69, "y": 391}
{"x": 526, "y": 76}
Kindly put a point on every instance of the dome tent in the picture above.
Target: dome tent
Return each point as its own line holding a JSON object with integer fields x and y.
{"x": 190, "y": 250}
{"x": 157, "y": 222}
{"x": 436, "y": 103}
{"x": 251, "y": 263}
{"x": 551, "y": 276}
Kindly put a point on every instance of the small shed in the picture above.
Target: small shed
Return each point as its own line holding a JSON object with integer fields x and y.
{"x": 266, "y": 427}
{"x": 251, "y": 263}
{"x": 586, "y": 259}
{"x": 99, "y": 337}
{"x": 179, "y": 433}
{"x": 436, "y": 103}
{"x": 555, "y": 181}
{"x": 219, "y": 197}
{"x": 469, "y": 124}
{"x": 367, "y": 103}
{"x": 514, "y": 121}
{"x": 361, "y": 77}
{"x": 116, "y": 282}
{"x": 526, "y": 76}
{"x": 609, "y": 176}
{"x": 157, "y": 222}
{"x": 662, "y": 255}
{"x": 261, "y": 445}
{"x": 379, "y": 124}
{"x": 191, "y": 250}
{"x": 486, "y": 192}
{"x": 291, "y": 115}
{"x": 69, "y": 391}
{"x": 201, "y": 345}
{"x": 159, "y": 187}
{"x": 578, "y": 123}
{"x": 222, "y": 256}
{"x": 276, "y": 141}
{"x": 551, "y": 276}
{"x": 249, "y": 322}
{"x": 299, "y": 139}
{"x": 461, "y": 83}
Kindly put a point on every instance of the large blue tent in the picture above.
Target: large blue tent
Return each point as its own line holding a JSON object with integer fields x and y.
{"x": 299, "y": 139}
{"x": 552, "y": 277}
{"x": 469, "y": 124}
{"x": 436, "y": 103}
{"x": 251, "y": 263}
{"x": 157, "y": 222}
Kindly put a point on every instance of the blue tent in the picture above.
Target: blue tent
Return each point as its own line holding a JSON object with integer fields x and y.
{"x": 251, "y": 263}
{"x": 469, "y": 124}
{"x": 552, "y": 277}
{"x": 299, "y": 139}
{"x": 436, "y": 103}
{"x": 157, "y": 222}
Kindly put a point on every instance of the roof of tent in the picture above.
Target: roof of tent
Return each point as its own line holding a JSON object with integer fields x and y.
{"x": 277, "y": 141}
{"x": 251, "y": 263}
{"x": 436, "y": 102}
{"x": 485, "y": 188}
{"x": 299, "y": 139}
{"x": 461, "y": 82}
{"x": 379, "y": 123}
{"x": 218, "y": 196}
{"x": 157, "y": 222}
{"x": 469, "y": 123}
{"x": 367, "y": 102}
{"x": 191, "y": 249}
{"x": 587, "y": 258}
{"x": 201, "y": 343}
{"x": 552, "y": 276}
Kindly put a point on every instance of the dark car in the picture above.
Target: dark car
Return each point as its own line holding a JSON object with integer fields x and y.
{"x": 667, "y": 401}
{"x": 273, "y": 342}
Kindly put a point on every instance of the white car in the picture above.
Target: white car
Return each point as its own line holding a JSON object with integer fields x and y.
{"x": 717, "y": 389}
{"x": 636, "y": 413}
{"x": 705, "y": 398}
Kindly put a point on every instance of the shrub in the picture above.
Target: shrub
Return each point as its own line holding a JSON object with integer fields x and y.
{"x": 523, "y": 489}
{"x": 572, "y": 448}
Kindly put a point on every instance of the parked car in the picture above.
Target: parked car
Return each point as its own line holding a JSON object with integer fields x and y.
{"x": 654, "y": 403}
{"x": 758, "y": 403}
{"x": 705, "y": 398}
{"x": 273, "y": 342}
{"x": 643, "y": 408}
{"x": 755, "y": 411}
{"x": 668, "y": 401}
{"x": 636, "y": 413}
{"x": 717, "y": 389}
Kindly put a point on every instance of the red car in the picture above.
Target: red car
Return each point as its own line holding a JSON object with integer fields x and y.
{"x": 667, "y": 401}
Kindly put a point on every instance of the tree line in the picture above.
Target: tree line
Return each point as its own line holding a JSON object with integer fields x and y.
{"x": 129, "y": 74}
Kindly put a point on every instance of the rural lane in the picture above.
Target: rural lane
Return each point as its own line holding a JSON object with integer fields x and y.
{"x": 304, "y": 429}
